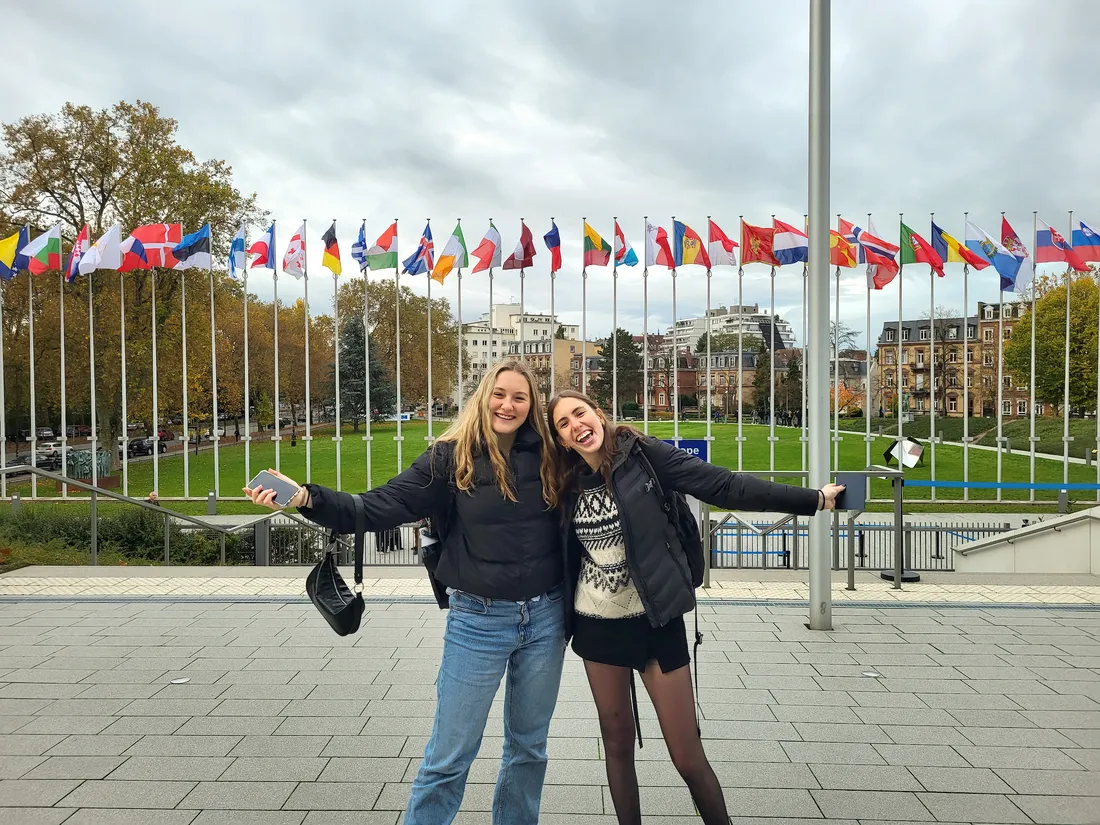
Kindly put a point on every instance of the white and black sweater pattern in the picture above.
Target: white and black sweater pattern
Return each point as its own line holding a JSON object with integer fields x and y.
{"x": 605, "y": 589}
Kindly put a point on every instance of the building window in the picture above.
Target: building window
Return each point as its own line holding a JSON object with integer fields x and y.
{"x": 661, "y": 399}
{"x": 889, "y": 379}
{"x": 987, "y": 360}
{"x": 889, "y": 357}
{"x": 1008, "y": 381}
{"x": 971, "y": 332}
{"x": 1006, "y": 407}
{"x": 904, "y": 333}
{"x": 969, "y": 356}
{"x": 920, "y": 381}
{"x": 1021, "y": 407}
{"x": 1007, "y": 333}
{"x": 1038, "y": 409}
{"x": 953, "y": 356}
{"x": 952, "y": 381}
{"x": 988, "y": 335}
{"x": 952, "y": 405}
{"x": 925, "y": 334}
{"x": 989, "y": 313}
{"x": 953, "y": 333}
{"x": 920, "y": 358}
{"x": 889, "y": 335}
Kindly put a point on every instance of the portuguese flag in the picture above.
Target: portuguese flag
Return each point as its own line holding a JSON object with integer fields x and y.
{"x": 916, "y": 250}
{"x": 44, "y": 252}
{"x": 597, "y": 251}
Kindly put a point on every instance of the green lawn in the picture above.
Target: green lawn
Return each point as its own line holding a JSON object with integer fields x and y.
{"x": 788, "y": 455}
{"x": 1047, "y": 429}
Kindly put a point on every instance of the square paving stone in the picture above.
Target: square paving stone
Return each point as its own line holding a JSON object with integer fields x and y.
{"x": 885, "y": 805}
{"x": 241, "y": 796}
{"x": 335, "y": 796}
{"x": 108, "y": 793}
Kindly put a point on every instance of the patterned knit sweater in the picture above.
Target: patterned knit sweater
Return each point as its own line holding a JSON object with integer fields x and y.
{"x": 605, "y": 589}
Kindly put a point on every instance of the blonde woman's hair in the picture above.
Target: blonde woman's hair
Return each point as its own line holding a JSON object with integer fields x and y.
{"x": 472, "y": 434}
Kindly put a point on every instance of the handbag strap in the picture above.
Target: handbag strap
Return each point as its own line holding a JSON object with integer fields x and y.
{"x": 360, "y": 532}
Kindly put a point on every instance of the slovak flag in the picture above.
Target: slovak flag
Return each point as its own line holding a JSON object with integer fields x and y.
{"x": 789, "y": 245}
{"x": 421, "y": 261}
{"x": 80, "y": 246}
{"x": 1051, "y": 247}
{"x": 264, "y": 248}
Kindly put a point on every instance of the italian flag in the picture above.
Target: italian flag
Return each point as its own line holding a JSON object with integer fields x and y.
{"x": 597, "y": 251}
{"x": 383, "y": 255}
{"x": 44, "y": 251}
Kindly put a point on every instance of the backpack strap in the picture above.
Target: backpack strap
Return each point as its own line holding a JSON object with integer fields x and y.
{"x": 634, "y": 709}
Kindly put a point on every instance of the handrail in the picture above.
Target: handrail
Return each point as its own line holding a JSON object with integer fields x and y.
{"x": 1057, "y": 525}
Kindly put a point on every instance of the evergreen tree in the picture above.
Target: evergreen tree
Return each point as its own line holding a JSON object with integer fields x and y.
{"x": 629, "y": 361}
{"x": 383, "y": 393}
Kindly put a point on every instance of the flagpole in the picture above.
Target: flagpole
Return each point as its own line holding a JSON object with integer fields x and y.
{"x": 183, "y": 337}
{"x": 803, "y": 436}
{"x": 1031, "y": 400}
{"x": 932, "y": 379}
{"x": 278, "y": 436}
{"x": 741, "y": 347}
{"x": 460, "y": 332}
{"x": 553, "y": 346}
{"x": 1066, "y": 439}
{"x": 836, "y": 380}
{"x": 584, "y": 311}
{"x": 771, "y": 368}
{"x": 309, "y": 406}
{"x": 710, "y": 412}
{"x": 675, "y": 359}
{"x": 91, "y": 372}
{"x": 125, "y": 416}
{"x": 156, "y": 412}
{"x": 614, "y": 329}
{"x": 966, "y": 365}
{"x": 522, "y": 332}
{"x": 367, "y": 438}
{"x": 645, "y": 332}
{"x": 34, "y": 419}
{"x": 431, "y": 400}
{"x": 339, "y": 437}
{"x": 214, "y": 384}
{"x": 397, "y": 334}
{"x": 901, "y": 385}
{"x": 247, "y": 398}
{"x": 1000, "y": 380}
{"x": 64, "y": 418}
{"x": 867, "y": 386}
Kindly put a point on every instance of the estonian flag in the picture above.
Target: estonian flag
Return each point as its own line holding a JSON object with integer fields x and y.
{"x": 193, "y": 252}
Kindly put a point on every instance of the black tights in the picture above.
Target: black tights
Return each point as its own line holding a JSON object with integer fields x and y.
{"x": 672, "y": 699}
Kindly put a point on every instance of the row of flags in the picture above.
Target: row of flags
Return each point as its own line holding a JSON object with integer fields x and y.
{"x": 781, "y": 244}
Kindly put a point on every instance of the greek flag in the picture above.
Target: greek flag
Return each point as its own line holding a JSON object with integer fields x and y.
{"x": 359, "y": 248}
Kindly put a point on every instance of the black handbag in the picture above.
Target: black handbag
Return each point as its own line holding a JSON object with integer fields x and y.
{"x": 342, "y": 608}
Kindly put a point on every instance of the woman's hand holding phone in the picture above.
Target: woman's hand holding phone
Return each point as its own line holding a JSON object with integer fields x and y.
{"x": 272, "y": 489}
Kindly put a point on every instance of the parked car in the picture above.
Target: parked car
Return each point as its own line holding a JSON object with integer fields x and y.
{"x": 48, "y": 455}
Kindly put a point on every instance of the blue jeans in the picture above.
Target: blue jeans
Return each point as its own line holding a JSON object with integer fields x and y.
{"x": 484, "y": 639}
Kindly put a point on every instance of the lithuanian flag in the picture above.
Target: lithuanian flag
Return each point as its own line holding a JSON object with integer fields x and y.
{"x": 597, "y": 251}
{"x": 331, "y": 258}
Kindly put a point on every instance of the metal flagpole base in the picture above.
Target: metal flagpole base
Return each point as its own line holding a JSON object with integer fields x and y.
{"x": 907, "y": 576}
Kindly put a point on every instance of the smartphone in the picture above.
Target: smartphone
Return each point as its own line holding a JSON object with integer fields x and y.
{"x": 854, "y": 496}
{"x": 284, "y": 490}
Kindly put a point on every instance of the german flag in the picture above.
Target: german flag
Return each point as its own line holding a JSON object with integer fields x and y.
{"x": 331, "y": 258}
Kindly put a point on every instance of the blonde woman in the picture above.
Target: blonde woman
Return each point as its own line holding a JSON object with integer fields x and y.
{"x": 488, "y": 486}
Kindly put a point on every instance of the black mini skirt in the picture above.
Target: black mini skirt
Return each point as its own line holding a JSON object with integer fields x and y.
{"x": 632, "y": 643}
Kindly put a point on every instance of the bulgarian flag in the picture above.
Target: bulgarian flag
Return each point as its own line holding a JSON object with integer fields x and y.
{"x": 597, "y": 251}
{"x": 383, "y": 255}
{"x": 44, "y": 252}
{"x": 453, "y": 256}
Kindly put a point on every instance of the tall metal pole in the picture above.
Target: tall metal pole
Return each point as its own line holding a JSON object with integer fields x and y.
{"x": 675, "y": 364}
{"x": 64, "y": 435}
{"x": 278, "y": 436}
{"x": 966, "y": 367}
{"x": 614, "y": 330}
{"x": 397, "y": 337}
{"x": 836, "y": 379}
{"x": 584, "y": 313}
{"x": 803, "y": 438}
{"x": 741, "y": 361}
{"x": 820, "y": 608}
{"x": 901, "y": 350}
{"x": 771, "y": 367}
{"x": 460, "y": 332}
{"x": 183, "y": 338}
{"x": 309, "y": 403}
{"x": 1066, "y": 439}
{"x": 932, "y": 368}
{"x": 1000, "y": 382}
{"x": 431, "y": 400}
{"x": 1031, "y": 398}
{"x": 867, "y": 380}
{"x": 336, "y": 361}
{"x": 710, "y": 412}
{"x": 366, "y": 366}
{"x": 4, "y": 406}
{"x": 125, "y": 414}
{"x": 156, "y": 408}
{"x": 553, "y": 345}
{"x": 214, "y": 388}
{"x": 30, "y": 356}
{"x": 91, "y": 374}
{"x": 247, "y": 393}
{"x": 645, "y": 332}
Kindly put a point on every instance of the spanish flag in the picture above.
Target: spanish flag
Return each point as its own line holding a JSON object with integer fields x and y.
{"x": 331, "y": 258}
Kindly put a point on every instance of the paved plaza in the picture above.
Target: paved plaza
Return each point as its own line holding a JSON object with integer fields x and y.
{"x": 210, "y": 706}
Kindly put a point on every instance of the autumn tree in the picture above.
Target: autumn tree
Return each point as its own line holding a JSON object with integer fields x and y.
{"x": 1050, "y": 344}
{"x": 122, "y": 165}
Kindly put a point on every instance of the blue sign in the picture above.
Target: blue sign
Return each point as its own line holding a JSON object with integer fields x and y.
{"x": 694, "y": 446}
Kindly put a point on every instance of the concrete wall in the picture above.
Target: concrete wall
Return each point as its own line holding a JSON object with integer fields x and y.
{"x": 1067, "y": 545}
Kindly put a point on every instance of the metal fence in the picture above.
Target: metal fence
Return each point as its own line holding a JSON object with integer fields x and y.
{"x": 291, "y": 541}
{"x": 927, "y": 547}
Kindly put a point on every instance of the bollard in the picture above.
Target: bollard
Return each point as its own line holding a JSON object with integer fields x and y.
{"x": 262, "y": 542}
{"x": 1063, "y": 502}
{"x": 15, "y": 502}
{"x": 211, "y": 504}
{"x": 851, "y": 552}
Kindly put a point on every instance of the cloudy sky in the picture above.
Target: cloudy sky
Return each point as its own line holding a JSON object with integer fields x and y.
{"x": 625, "y": 108}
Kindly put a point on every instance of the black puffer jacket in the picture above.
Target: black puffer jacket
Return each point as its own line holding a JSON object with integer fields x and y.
{"x": 657, "y": 563}
{"x": 492, "y": 547}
